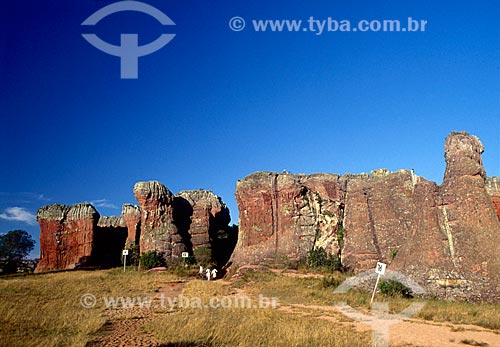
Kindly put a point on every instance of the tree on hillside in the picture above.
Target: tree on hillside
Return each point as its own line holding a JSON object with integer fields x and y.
{"x": 14, "y": 247}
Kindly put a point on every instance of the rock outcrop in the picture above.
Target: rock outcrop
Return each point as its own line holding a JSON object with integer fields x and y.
{"x": 66, "y": 236}
{"x": 445, "y": 237}
{"x": 158, "y": 231}
{"x": 493, "y": 189}
{"x": 285, "y": 215}
{"x": 205, "y": 218}
{"x": 77, "y": 236}
{"x": 131, "y": 215}
{"x": 455, "y": 252}
{"x": 109, "y": 241}
{"x": 379, "y": 216}
{"x": 194, "y": 221}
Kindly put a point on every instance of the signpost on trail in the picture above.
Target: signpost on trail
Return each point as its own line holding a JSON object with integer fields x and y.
{"x": 185, "y": 254}
{"x": 380, "y": 271}
{"x": 124, "y": 253}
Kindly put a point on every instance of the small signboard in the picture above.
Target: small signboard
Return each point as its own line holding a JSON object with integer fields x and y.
{"x": 380, "y": 269}
{"x": 125, "y": 252}
{"x": 185, "y": 254}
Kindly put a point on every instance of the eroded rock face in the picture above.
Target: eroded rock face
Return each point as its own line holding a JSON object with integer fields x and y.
{"x": 158, "y": 231}
{"x": 493, "y": 189}
{"x": 445, "y": 237}
{"x": 131, "y": 215}
{"x": 66, "y": 236}
{"x": 379, "y": 217}
{"x": 461, "y": 260}
{"x": 204, "y": 217}
{"x": 285, "y": 215}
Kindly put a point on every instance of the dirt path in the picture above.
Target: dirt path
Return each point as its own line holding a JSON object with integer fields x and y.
{"x": 124, "y": 327}
{"x": 410, "y": 332}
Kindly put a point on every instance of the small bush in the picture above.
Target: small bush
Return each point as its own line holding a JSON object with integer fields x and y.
{"x": 203, "y": 256}
{"x": 150, "y": 260}
{"x": 395, "y": 289}
{"x": 318, "y": 258}
{"x": 133, "y": 256}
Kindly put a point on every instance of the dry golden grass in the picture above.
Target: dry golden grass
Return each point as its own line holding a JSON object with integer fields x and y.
{"x": 240, "y": 327}
{"x": 251, "y": 327}
{"x": 310, "y": 291}
{"x": 45, "y": 310}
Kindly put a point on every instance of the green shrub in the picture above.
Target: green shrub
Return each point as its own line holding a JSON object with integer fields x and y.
{"x": 150, "y": 260}
{"x": 203, "y": 256}
{"x": 133, "y": 256}
{"x": 319, "y": 258}
{"x": 395, "y": 289}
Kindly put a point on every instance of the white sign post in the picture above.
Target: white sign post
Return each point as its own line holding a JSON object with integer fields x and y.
{"x": 380, "y": 271}
{"x": 124, "y": 253}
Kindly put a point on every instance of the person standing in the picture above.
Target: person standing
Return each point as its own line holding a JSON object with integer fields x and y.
{"x": 214, "y": 274}
{"x": 208, "y": 274}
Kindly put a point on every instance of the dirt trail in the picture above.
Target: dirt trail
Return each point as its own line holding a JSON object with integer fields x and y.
{"x": 410, "y": 332}
{"x": 125, "y": 326}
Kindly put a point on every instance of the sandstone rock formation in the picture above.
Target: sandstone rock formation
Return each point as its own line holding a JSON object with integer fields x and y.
{"x": 378, "y": 217}
{"x": 195, "y": 221}
{"x": 131, "y": 215}
{"x": 455, "y": 251}
{"x": 204, "y": 217}
{"x": 109, "y": 241}
{"x": 66, "y": 236}
{"x": 285, "y": 215}
{"x": 493, "y": 189}
{"x": 446, "y": 237}
{"x": 158, "y": 231}
{"x": 77, "y": 236}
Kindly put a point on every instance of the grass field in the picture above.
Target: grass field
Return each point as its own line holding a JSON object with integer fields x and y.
{"x": 45, "y": 310}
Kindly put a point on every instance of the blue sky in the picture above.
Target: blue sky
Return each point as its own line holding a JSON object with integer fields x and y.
{"x": 215, "y": 105}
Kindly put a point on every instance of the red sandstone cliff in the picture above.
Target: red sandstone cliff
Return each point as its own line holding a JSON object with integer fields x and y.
{"x": 131, "y": 216}
{"x": 157, "y": 229}
{"x": 284, "y": 215}
{"x": 454, "y": 252}
{"x": 493, "y": 189}
{"x": 446, "y": 237}
{"x": 66, "y": 236}
{"x": 203, "y": 217}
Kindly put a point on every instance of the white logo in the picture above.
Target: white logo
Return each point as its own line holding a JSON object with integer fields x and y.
{"x": 129, "y": 50}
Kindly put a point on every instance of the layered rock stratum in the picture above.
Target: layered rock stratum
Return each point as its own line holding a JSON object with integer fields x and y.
{"x": 158, "y": 231}
{"x": 445, "y": 237}
{"x": 77, "y": 236}
{"x": 66, "y": 236}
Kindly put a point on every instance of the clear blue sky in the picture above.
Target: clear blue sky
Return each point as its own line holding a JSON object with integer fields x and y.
{"x": 215, "y": 105}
